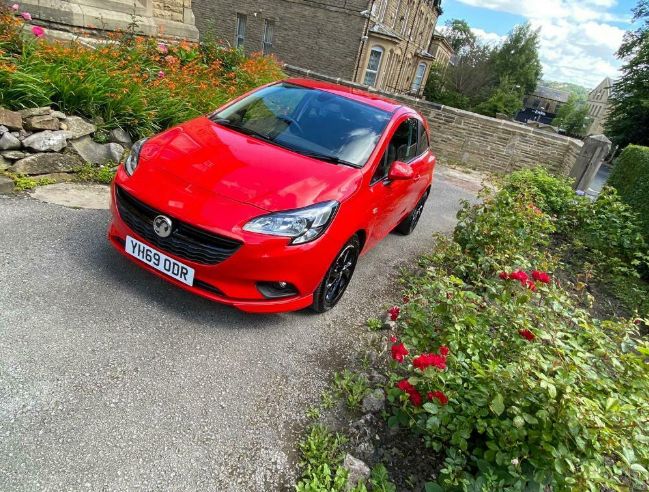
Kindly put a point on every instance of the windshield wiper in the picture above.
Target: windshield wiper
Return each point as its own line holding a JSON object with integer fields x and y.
{"x": 242, "y": 129}
{"x": 328, "y": 158}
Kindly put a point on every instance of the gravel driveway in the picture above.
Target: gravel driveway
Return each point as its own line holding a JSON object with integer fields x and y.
{"x": 112, "y": 379}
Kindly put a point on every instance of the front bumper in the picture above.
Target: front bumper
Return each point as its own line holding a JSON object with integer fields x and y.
{"x": 234, "y": 281}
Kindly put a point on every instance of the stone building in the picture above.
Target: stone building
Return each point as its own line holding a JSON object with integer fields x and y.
{"x": 161, "y": 18}
{"x": 598, "y": 106}
{"x": 542, "y": 105}
{"x": 386, "y": 44}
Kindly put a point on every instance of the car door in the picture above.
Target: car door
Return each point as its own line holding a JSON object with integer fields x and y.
{"x": 389, "y": 199}
{"x": 422, "y": 166}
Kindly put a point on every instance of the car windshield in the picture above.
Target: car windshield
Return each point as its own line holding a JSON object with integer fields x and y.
{"x": 311, "y": 122}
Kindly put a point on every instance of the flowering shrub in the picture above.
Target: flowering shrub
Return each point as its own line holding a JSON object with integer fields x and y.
{"x": 524, "y": 389}
{"x": 133, "y": 82}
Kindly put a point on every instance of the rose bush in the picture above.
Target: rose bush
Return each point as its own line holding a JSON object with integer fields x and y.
{"x": 525, "y": 389}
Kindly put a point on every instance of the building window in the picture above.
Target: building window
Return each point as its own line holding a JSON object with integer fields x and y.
{"x": 373, "y": 65}
{"x": 419, "y": 78}
{"x": 267, "y": 44}
{"x": 241, "y": 31}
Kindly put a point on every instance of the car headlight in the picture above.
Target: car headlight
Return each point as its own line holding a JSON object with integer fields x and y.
{"x": 303, "y": 225}
{"x": 131, "y": 161}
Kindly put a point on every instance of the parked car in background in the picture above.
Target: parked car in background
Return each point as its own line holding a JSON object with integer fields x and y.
{"x": 267, "y": 203}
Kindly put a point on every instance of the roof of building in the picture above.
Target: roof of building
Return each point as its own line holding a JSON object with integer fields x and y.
{"x": 604, "y": 84}
{"x": 384, "y": 31}
{"x": 551, "y": 94}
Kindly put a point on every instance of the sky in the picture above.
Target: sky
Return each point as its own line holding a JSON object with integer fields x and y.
{"x": 579, "y": 38}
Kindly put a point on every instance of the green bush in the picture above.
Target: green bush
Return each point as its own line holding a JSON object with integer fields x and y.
{"x": 518, "y": 386}
{"x": 630, "y": 177}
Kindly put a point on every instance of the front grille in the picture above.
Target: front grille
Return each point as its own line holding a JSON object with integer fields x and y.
{"x": 185, "y": 241}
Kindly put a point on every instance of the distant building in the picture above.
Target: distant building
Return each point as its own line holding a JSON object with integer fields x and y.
{"x": 387, "y": 44}
{"x": 598, "y": 106}
{"x": 542, "y": 105}
{"x": 441, "y": 49}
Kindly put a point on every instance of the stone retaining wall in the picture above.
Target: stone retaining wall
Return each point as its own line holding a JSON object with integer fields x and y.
{"x": 480, "y": 142}
{"x": 43, "y": 143}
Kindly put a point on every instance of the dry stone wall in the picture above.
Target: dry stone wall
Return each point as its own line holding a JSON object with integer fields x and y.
{"x": 45, "y": 143}
{"x": 480, "y": 142}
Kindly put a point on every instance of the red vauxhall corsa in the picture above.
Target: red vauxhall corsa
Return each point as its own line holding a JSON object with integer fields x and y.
{"x": 267, "y": 203}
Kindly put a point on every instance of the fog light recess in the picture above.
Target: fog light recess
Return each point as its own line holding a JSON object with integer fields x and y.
{"x": 275, "y": 290}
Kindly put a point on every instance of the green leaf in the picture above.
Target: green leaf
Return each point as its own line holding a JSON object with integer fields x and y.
{"x": 638, "y": 468}
{"x": 431, "y": 407}
{"x": 497, "y": 405}
{"x": 433, "y": 487}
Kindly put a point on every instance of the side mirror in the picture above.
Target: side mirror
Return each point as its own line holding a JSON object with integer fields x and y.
{"x": 400, "y": 171}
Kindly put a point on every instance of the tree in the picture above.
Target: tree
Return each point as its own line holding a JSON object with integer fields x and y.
{"x": 459, "y": 35}
{"x": 517, "y": 59}
{"x": 572, "y": 117}
{"x": 504, "y": 99}
{"x": 465, "y": 84}
{"x": 628, "y": 120}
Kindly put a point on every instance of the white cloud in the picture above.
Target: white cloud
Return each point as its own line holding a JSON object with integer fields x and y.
{"x": 578, "y": 39}
{"x": 488, "y": 37}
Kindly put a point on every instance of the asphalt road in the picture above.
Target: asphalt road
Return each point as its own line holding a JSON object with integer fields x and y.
{"x": 112, "y": 379}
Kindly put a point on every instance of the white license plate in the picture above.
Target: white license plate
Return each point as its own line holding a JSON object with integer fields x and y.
{"x": 159, "y": 261}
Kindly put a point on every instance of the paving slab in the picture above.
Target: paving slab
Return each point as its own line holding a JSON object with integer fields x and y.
{"x": 74, "y": 195}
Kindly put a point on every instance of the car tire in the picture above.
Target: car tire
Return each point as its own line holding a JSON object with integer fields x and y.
{"x": 336, "y": 280}
{"x": 407, "y": 225}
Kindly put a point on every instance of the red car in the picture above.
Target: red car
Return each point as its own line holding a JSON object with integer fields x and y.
{"x": 267, "y": 203}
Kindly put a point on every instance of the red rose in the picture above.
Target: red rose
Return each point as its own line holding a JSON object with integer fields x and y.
{"x": 393, "y": 339}
{"x": 519, "y": 275}
{"x": 394, "y": 312}
{"x": 530, "y": 285}
{"x": 443, "y": 350}
{"x": 427, "y": 360}
{"x": 542, "y": 277}
{"x": 404, "y": 385}
{"x": 504, "y": 275}
{"x": 413, "y": 394}
{"x": 527, "y": 335}
{"x": 415, "y": 398}
{"x": 399, "y": 351}
{"x": 443, "y": 399}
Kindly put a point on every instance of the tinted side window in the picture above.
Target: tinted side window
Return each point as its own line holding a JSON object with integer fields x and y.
{"x": 424, "y": 144}
{"x": 402, "y": 147}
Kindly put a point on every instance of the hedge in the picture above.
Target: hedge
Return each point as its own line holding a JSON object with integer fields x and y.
{"x": 631, "y": 178}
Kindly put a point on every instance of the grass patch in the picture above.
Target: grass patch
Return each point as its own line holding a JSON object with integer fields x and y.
{"x": 322, "y": 456}
{"x": 352, "y": 386}
{"x": 25, "y": 183}
{"x": 95, "y": 174}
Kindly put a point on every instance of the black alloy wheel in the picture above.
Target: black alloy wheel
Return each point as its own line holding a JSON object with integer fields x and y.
{"x": 337, "y": 278}
{"x": 408, "y": 224}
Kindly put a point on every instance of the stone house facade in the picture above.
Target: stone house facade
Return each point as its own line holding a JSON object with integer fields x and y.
{"x": 542, "y": 105}
{"x": 598, "y": 106}
{"x": 386, "y": 44}
{"x": 160, "y": 18}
